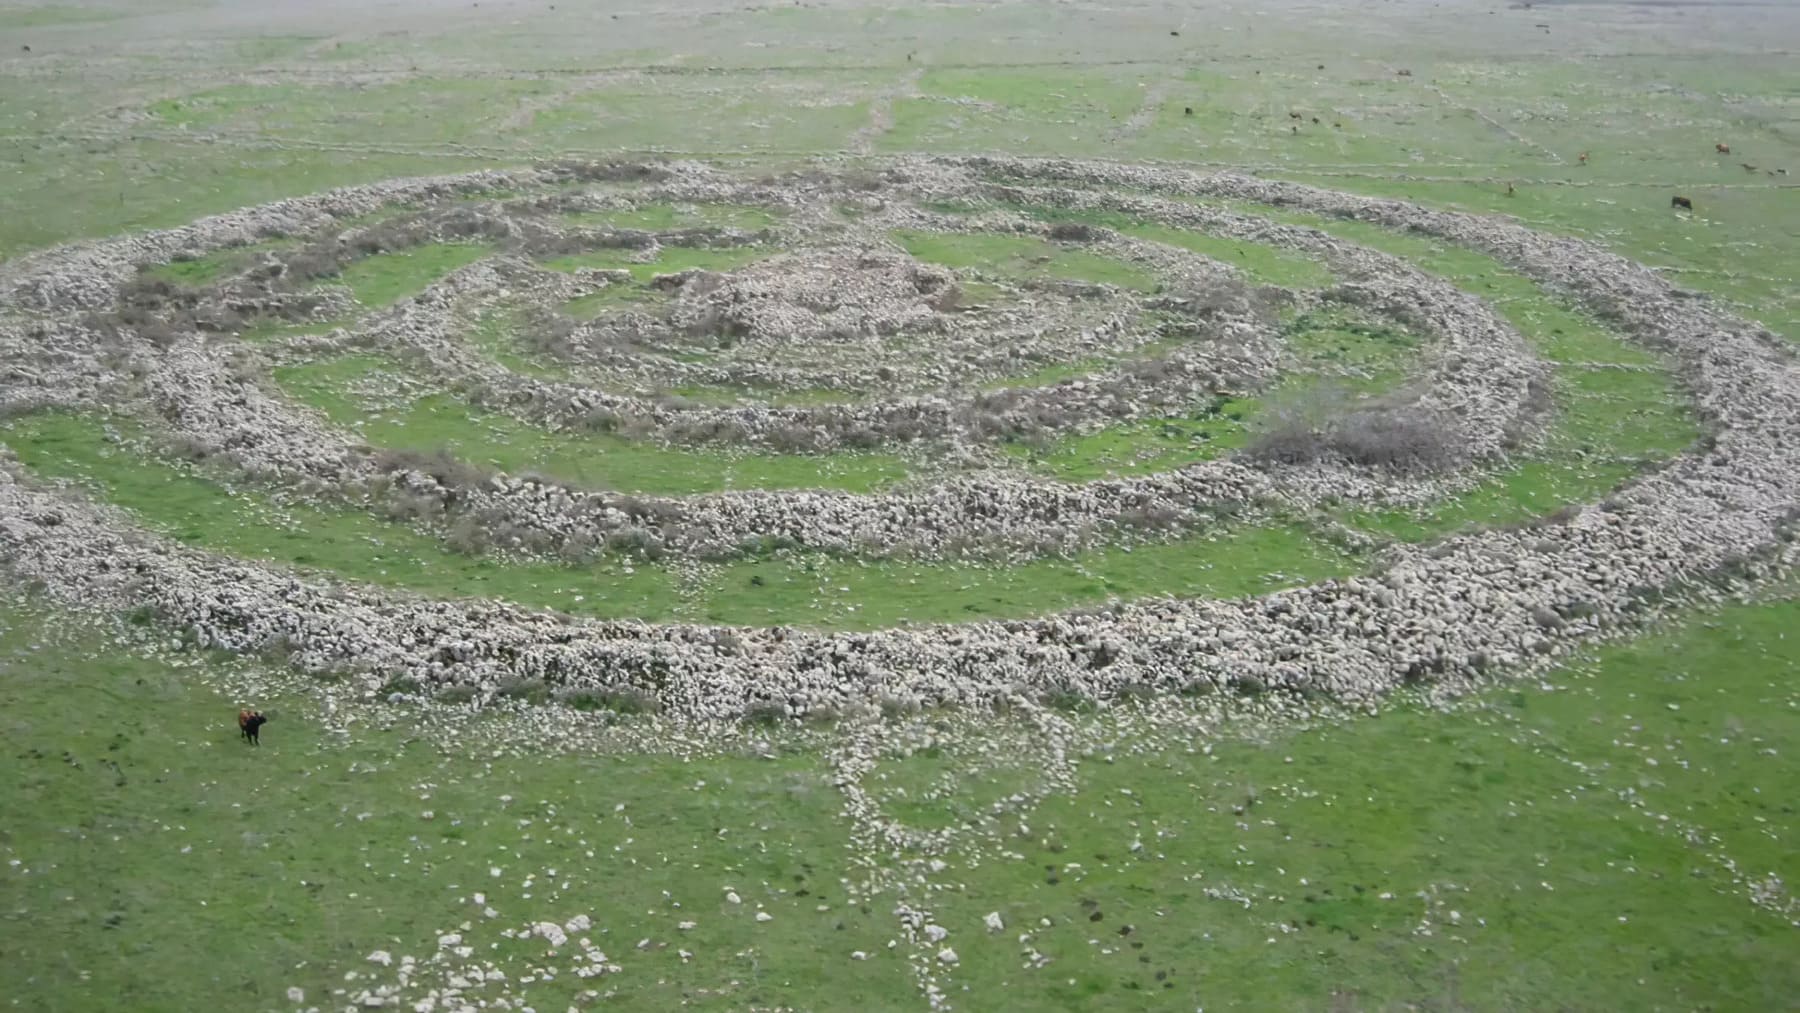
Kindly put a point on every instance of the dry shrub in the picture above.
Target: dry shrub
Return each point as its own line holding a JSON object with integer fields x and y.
{"x": 609, "y": 172}
{"x": 1327, "y": 424}
{"x": 445, "y": 468}
{"x": 635, "y": 541}
{"x": 549, "y": 333}
{"x": 794, "y": 438}
{"x": 1074, "y": 232}
{"x": 624, "y": 700}
{"x": 1150, "y": 517}
{"x": 313, "y": 262}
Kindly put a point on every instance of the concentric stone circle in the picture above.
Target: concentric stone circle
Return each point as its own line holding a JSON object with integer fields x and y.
{"x": 1467, "y": 605}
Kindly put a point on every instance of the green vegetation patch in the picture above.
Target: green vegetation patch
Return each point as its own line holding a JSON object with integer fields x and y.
{"x": 1611, "y": 424}
{"x": 275, "y": 330}
{"x": 383, "y": 278}
{"x": 1264, "y": 263}
{"x": 1339, "y": 347}
{"x": 445, "y": 110}
{"x": 155, "y": 835}
{"x": 936, "y": 787}
{"x": 214, "y": 266}
{"x": 1215, "y": 427}
{"x": 208, "y": 513}
{"x": 1729, "y": 246}
{"x": 788, "y": 588}
{"x": 1231, "y": 560}
{"x": 1346, "y": 342}
{"x": 1022, "y": 111}
{"x": 445, "y": 422}
{"x": 758, "y": 113}
{"x": 1559, "y": 848}
{"x": 1570, "y": 842}
{"x": 496, "y": 335}
{"x": 40, "y": 15}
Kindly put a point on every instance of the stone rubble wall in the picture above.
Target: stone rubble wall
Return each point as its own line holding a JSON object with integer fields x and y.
{"x": 1468, "y": 605}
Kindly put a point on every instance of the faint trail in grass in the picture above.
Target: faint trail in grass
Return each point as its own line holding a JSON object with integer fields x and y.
{"x": 1145, "y": 113}
{"x": 881, "y": 112}
{"x": 1513, "y": 135}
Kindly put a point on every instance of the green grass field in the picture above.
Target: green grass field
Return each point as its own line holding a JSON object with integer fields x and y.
{"x": 1614, "y": 833}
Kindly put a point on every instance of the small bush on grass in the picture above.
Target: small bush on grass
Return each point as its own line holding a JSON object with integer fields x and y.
{"x": 626, "y": 700}
{"x": 457, "y": 694}
{"x": 399, "y": 684}
{"x": 532, "y": 691}
{"x": 765, "y": 712}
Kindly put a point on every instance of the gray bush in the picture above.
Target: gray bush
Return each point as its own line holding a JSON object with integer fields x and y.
{"x": 1326, "y": 424}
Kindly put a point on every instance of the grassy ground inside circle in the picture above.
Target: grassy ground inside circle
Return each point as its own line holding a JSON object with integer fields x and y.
{"x": 383, "y": 278}
{"x": 434, "y": 422}
{"x": 800, "y": 589}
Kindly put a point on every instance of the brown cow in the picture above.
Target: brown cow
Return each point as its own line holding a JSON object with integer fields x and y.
{"x": 250, "y": 722}
{"x": 1681, "y": 202}
{"x": 1723, "y": 149}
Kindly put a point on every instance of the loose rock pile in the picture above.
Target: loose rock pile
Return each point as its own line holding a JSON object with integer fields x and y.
{"x": 1465, "y": 606}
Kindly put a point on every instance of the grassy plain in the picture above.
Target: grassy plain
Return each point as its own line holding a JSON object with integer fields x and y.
{"x": 1617, "y": 833}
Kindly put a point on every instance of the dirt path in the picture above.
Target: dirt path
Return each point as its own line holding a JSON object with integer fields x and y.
{"x": 1511, "y": 134}
{"x": 1145, "y": 114}
{"x": 881, "y": 112}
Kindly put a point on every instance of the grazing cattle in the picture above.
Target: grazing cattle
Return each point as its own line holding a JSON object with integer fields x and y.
{"x": 1293, "y": 116}
{"x": 1723, "y": 149}
{"x": 1582, "y": 158}
{"x": 1681, "y": 202}
{"x": 1748, "y": 167}
{"x": 250, "y": 722}
{"x": 1187, "y": 110}
{"x": 1510, "y": 191}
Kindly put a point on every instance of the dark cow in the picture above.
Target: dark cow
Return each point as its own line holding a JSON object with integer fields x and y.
{"x": 250, "y": 722}
{"x": 1681, "y": 202}
{"x": 1723, "y": 149}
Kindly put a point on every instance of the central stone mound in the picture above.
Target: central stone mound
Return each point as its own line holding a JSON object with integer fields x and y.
{"x": 832, "y": 295}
